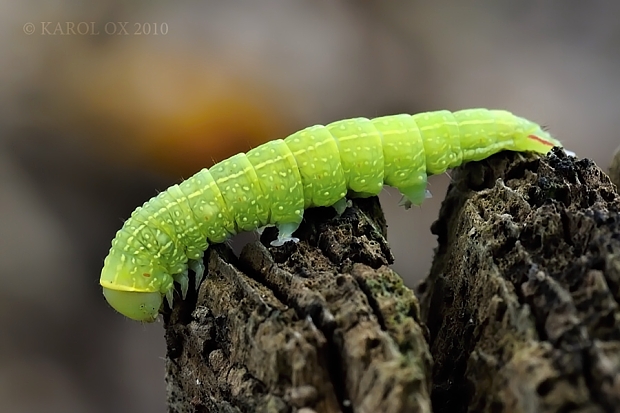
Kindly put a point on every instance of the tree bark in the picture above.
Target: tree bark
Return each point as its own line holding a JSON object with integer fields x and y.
{"x": 323, "y": 325}
{"x": 522, "y": 298}
{"x": 521, "y": 305}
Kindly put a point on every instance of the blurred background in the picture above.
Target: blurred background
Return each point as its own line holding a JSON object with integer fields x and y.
{"x": 95, "y": 120}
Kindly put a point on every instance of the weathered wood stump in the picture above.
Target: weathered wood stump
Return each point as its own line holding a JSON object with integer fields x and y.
{"x": 323, "y": 325}
{"x": 521, "y": 305}
{"x": 522, "y": 299}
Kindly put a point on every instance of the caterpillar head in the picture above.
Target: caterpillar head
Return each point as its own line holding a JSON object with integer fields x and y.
{"x": 139, "y": 306}
{"x": 134, "y": 287}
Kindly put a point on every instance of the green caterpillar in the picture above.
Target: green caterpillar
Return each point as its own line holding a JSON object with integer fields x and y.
{"x": 273, "y": 184}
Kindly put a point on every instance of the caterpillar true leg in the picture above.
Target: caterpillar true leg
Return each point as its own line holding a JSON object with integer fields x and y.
{"x": 199, "y": 268}
{"x": 170, "y": 297}
{"x": 183, "y": 280}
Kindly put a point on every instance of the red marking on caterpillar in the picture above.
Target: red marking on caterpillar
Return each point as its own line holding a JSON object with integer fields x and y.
{"x": 146, "y": 274}
{"x": 541, "y": 140}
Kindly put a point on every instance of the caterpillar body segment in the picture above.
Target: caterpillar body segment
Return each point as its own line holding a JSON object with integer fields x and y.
{"x": 440, "y": 137}
{"x": 321, "y": 172}
{"x": 404, "y": 157}
{"x": 360, "y": 148}
{"x": 283, "y": 191}
{"x": 273, "y": 184}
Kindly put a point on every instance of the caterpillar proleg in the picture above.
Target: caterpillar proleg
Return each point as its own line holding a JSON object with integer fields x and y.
{"x": 274, "y": 183}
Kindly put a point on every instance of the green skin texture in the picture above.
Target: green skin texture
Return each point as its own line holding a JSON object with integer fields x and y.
{"x": 273, "y": 184}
